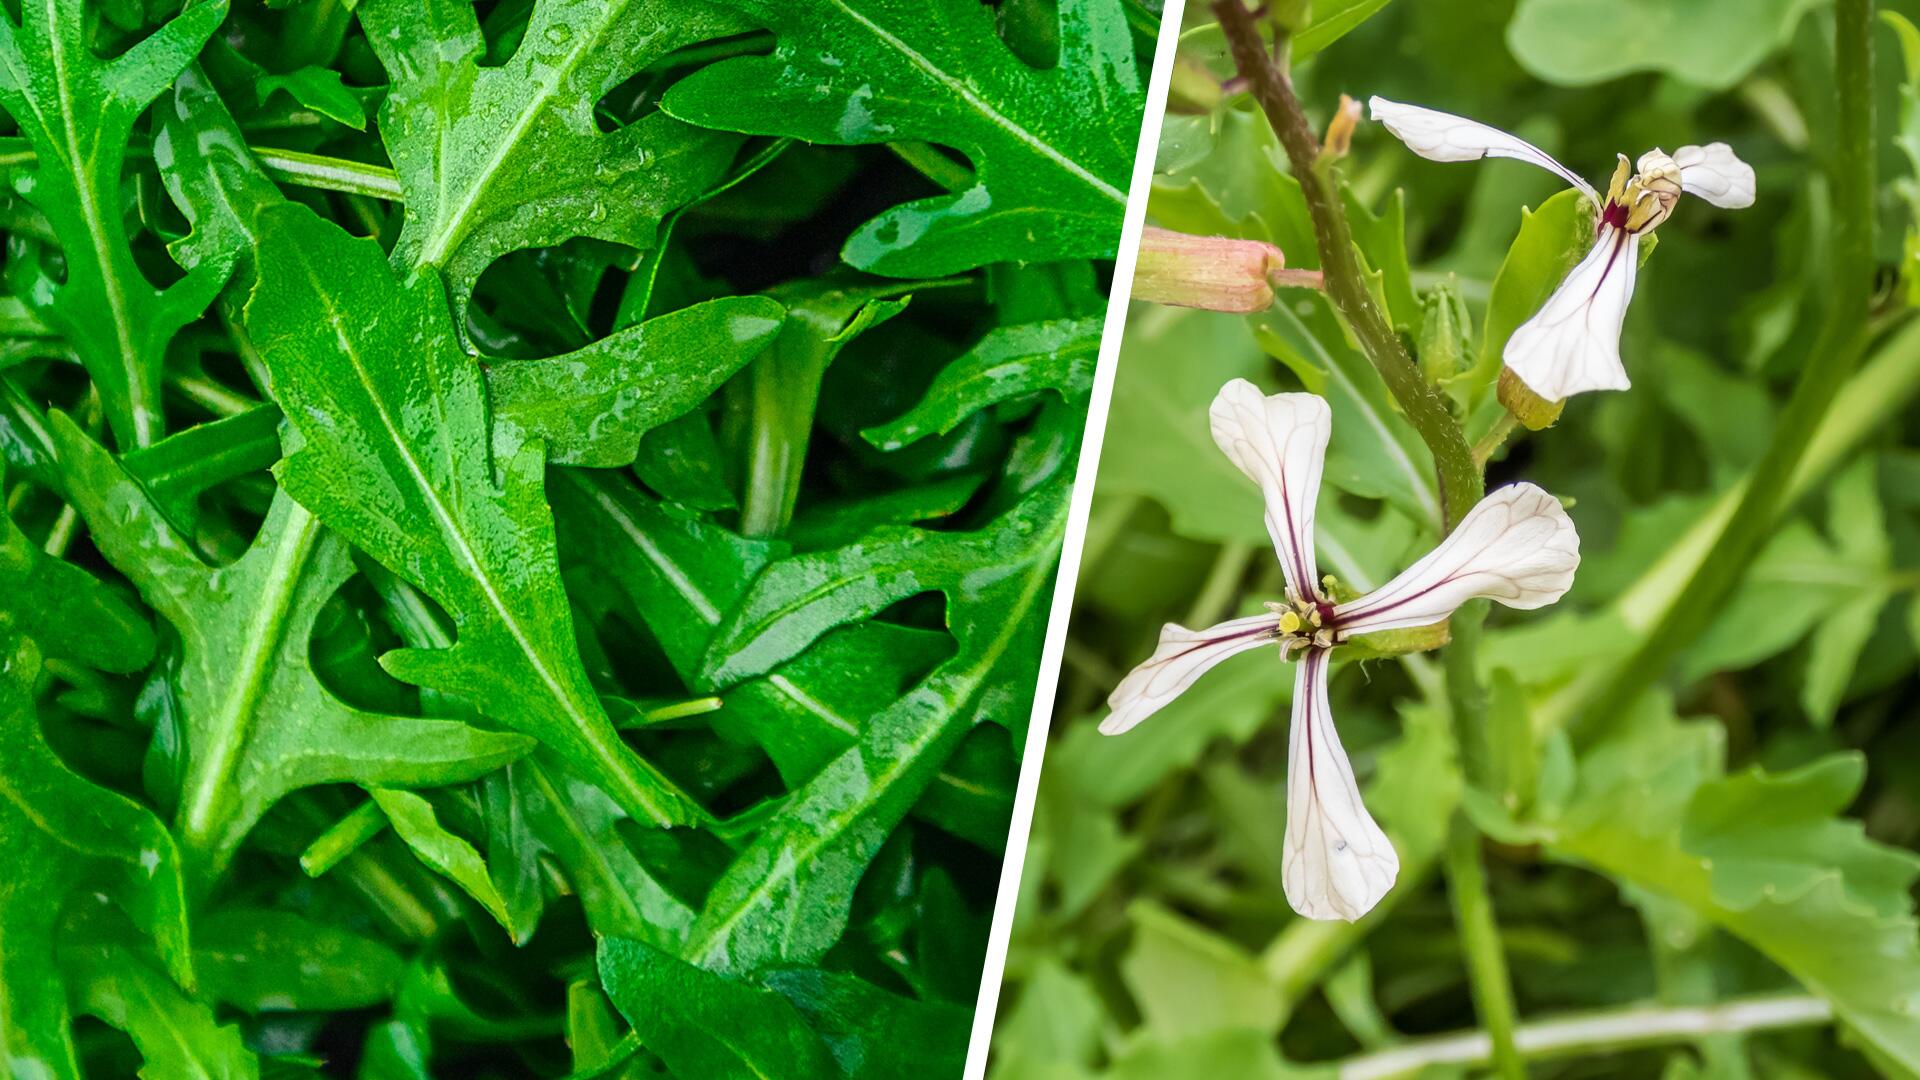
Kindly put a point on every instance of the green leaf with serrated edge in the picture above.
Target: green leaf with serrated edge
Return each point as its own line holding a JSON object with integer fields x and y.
{"x": 65, "y": 837}
{"x": 179, "y": 468}
{"x": 78, "y": 111}
{"x": 830, "y": 523}
{"x": 258, "y": 723}
{"x": 492, "y": 158}
{"x": 67, "y": 611}
{"x": 415, "y": 822}
{"x": 704, "y": 1024}
{"x": 388, "y": 445}
{"x": 1010, "y": 362}
{"x": 258, "y": 958}
{"x": 797, "y": 599}
{"x": 178, "y": 1038}
{"x": 591, "y": 406}
{"x": 680, "y": 575}
{"x": 873, "y": 1033}
{"x": 319, "y": 89}
{"x": 1374, "y": 452}
{"x": 785, "y": 899}
{"x": 210, "y": 174}
{"x": 1053, "y": 145}
{"x": 534, "y": 808}
{"x": 1764, "y": 856}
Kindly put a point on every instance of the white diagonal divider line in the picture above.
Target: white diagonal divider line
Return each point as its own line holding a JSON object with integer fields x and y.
{"x": 1082, "y": 504}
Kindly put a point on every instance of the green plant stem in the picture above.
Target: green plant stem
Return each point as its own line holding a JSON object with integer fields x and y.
{"x": 287, "y": 166}
{"x": 1300, "y": 956}
{"x": 1597, "y": 1032}
{"x": 1829, "y": 365}
{"x": 343, "y": 838}
{"x": 1493, "y": 440}
{"x": 1460, "y": 483}
{"x": 1480, "y": 940}
{"x": 1222, "y": 586}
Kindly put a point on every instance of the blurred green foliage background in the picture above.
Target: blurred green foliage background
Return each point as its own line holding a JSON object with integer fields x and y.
{"x": 1737, "y": 848}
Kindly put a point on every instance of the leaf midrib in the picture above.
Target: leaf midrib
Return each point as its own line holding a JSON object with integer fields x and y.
{"x": 232, "y": 724}
{"x": 457, "y": 539}
{"x": 143, "y": 416}
{"x": 804, "y": 854}
{"x": 960, "y": 89}
{"x": 455, "y": 222}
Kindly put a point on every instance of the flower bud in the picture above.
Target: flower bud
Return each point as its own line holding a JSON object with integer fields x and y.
{"x": 1216, "y": 273}
{"x": 1444, "y": 333}
{"x": 1533, "y": 411}
{"x": 1410, "y": 639}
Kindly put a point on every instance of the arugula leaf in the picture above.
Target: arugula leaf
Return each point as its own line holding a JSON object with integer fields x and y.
{"x": 872, "y": 1033}
{"x": 592, "y": 406}
{"x": 68, "y": 612}
{"x": 176, "y": 1035}
{"x": 77, "y": 111}
{"x": 395, "y": 459}
{"x": 535, "y": 809}
{"x": 1052, "y": 144}
{"x": 705, "y": 1024}
{"x": 1010, "y": 362}
{"x": 257, "y": 721}
{"x": 785, "y": 899}
{"x": 497, "y": 156}
{"x": 1763, "y": 856}
{"x": 65, "y": 837}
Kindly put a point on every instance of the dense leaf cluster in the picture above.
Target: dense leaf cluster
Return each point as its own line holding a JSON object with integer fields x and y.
{"x": 528, "y": 524}
{"x": 1745, "y": 832}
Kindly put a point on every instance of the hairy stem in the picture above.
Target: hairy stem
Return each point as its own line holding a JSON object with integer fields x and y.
{"x": 1460, "y": 483}
{"x": 1829, "y": 365}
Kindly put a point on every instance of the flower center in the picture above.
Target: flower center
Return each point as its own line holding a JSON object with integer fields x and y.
{"x": 1304, "y": 624}
{"x": 1639, "y": 201}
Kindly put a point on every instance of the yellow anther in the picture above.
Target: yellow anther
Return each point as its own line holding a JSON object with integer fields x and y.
{"x": 1289, "y": 623}
{"x": 1314, "y": 616}
{"x": 1617, "y": 189}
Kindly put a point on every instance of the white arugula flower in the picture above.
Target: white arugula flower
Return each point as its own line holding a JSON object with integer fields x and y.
{"x": 1572, "y": 344}
{"x": 1517, "y": 546}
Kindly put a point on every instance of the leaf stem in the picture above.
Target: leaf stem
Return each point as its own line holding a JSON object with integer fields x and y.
{"x": 288, "y": 166}
{"x": 1460, "y": 483}
{"x": 1829, "y": 365}
{"x": 1598, "y": 1031}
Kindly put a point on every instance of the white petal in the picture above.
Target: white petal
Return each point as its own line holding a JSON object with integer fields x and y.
{"x": 1715, "y": 174}
{"x": 1280, "y": 442}
{"x": 1182, "y": 657}
{"x": 1335, "y": 862}
{"x": 1572, "y": 344}
{"x": 1518, "y": 546}
{"x": 1440, "y": 136}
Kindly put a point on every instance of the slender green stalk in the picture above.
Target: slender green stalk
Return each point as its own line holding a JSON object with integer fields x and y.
{"x": 1461, "y": 485}
{"x": 288, "y": 166}
{"x": 1480, "y": 940}
{"x": 1598, "y": 1032}
{"x": 1829, "y": 365}
{"x": 1460, "y": 482}
{"x": 343, "y": 838}
{"x": 1222, "y": 587}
